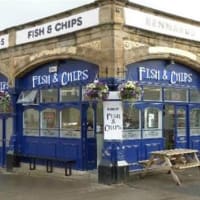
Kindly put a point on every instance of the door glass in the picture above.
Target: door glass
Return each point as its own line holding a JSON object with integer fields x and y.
{"x": 90, "y": 122}
{"x": 195, "y": 122}
{"x": 9, "y": 129}
{"x": 169, "y": 117}
{"x": 181, "y": 122}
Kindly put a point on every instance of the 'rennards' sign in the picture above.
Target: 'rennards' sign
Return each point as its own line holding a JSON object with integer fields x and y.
{"x": 59, "y": 27}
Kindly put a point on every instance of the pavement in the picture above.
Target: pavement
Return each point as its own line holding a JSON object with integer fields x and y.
{"x": 38, "y": 185}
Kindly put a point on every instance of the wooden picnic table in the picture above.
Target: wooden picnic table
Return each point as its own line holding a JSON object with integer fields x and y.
{"x": 172, "y": 160}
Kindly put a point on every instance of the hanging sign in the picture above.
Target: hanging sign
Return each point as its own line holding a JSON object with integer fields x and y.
{"x": 59, "y": 27}
{"x": 3, "y": 41}
{"x": 113, "y": 120}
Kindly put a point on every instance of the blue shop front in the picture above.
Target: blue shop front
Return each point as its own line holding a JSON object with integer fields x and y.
{"x": 52, "y": 117}
{"x": 167, "y": 116}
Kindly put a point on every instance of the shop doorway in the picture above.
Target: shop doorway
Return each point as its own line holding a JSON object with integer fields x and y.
{"x": 6, "y": 125}
{"x": 175, "y": 126}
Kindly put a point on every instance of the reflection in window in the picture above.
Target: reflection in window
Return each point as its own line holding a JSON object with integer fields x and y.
{"x": 175, "y": 94}
{"x": 130, "y": 117}
{"x": 69, "y": 94}
{"x": 49, "y": 122}
{"x": 152, "y": 93}
{"x": 48, "y": 95}
{"x": 31, "y": 122}
{"x": 195, "y": 122}
{"x": 28, "y": 97}
{"x": 70, "y": 123}
{"x": 195, "y": 95}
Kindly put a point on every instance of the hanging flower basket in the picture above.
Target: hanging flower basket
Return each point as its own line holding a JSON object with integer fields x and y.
{"x": 129, "y": 91}
{"x": 5, "y": 102}
{"x": 96, "y": 91}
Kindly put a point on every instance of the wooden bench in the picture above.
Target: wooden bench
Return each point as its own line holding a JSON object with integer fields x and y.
{"x": 68, "y": 163}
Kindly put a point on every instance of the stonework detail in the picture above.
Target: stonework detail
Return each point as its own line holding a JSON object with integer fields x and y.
{"x": 128, "y": 44}
{"x": 93, "y": 45}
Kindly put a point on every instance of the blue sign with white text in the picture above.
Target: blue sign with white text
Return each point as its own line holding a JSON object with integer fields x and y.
{"x": 162, "y": 72}
{"x": 59, "y": 74}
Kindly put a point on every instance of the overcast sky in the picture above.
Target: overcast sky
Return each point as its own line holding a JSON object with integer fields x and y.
{"x": 15, "y": 12}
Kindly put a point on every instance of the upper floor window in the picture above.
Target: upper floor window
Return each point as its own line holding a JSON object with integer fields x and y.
{"x": 175, "y": 94}
{"x": 152, "y": 93}
{"x": 195, "y": 95}
{"x": 69, "y": 94}
{"x": 49, "y": 95}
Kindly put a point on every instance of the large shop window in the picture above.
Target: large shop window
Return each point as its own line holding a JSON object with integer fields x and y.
{"x": 31, "y": 122}
{"x": 131, "y": 122}
{"x": 195, "y": 95}
{"x": 152, "y": 93}
{"x": 195, "y": 122}
{"x": 175, "y": 94}
{"x": 152, "y": 123}
{"x": 69, "y": 94}
{"x": 49, "y": 122}
{"x": 70, "y": 123}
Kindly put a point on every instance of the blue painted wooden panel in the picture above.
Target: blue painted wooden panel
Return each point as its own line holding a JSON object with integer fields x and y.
{"x": 195, "y": 142}
{"x": 132, "y": 153}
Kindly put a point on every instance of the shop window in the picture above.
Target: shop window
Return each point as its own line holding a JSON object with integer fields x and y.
{"x": 49, "y": 96}
{"x": 175, "y": 94}
{"x": 195, "y": 95}
{"x": 195, "y": 122}
{"x": 152, "y": 93}
{"x": 49, "y": 123}
{"x": 181, "y": 122}
{"x": 152, "y": 123}
{"x": 131, "y": 122}
{"x": 31, "y": 122}
{"x": 28, "y": 97}
{"x": 70, "y": 123}
{"x": 69, "y": 94}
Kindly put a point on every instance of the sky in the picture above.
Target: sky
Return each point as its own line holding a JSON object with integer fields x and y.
{"x": 15, "y": 12}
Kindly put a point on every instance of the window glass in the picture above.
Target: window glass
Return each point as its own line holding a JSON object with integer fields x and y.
{"x": 48, "y": 95}
{"x": 181, "y": 122}
{"x": 49, "y": 122}
{"x": 175, "y": 94}
{"x": 70, "y": 123}
{"x": 28, "y": 97}
{"x": 31, "y": 122}
{"x": 195, "y": 96}
{"x": 90, "y": 122}
{"x": 69, "y": 94}
{"x": 195, "y": 122}
{"x": 131, "y": 122}
{"x": 152, "y": 123}
{"x": 152, "y": 93}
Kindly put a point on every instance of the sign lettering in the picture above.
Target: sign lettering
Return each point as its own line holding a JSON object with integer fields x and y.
{"x": 3, "y": 41}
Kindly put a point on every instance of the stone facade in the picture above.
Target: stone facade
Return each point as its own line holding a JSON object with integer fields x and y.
{"x": 111, "y": 45}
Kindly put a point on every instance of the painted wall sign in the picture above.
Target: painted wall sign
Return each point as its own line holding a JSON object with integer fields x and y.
{"x": 59, "y": 27}
{"x": 113, "y": 120}
{"x": 68, "y": 72}
{"x": 161, "y": 25}
{"x": 4, "y": 43}
{"x": 162, "y": 72}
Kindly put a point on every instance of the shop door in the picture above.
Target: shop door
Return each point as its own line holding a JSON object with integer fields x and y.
{"x": 181, "y": 127}
{"x": 5, "y": 134}
{"x": 91, "y": 152}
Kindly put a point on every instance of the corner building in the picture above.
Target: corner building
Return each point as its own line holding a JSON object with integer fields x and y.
{"x": 46, "y": 64}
